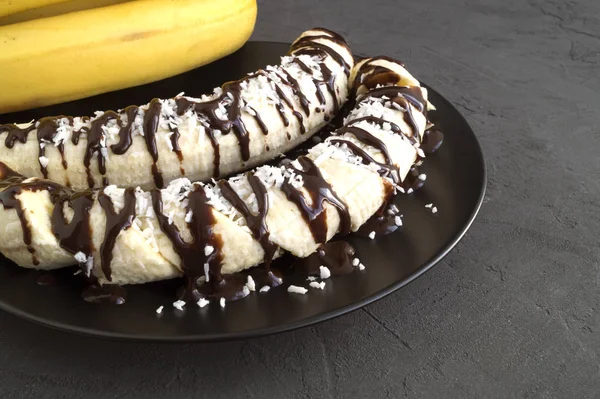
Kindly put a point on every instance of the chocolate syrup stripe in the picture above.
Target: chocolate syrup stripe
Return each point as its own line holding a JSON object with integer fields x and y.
{"x": 256, "y": 223}
{"x": 47, "y": 126}
{"x": 319, "y": 191}
{"x": 192, "y": 254}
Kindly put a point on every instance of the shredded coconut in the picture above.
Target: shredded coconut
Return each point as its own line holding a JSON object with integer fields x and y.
{"x": 179, "y": 305}
{"x": 251, "y": 284}
{"x": 324, "y": 272}
{"x": 297, "y": 290}
{"x": 202, "y": 302}
{"x": 44, "y": 161}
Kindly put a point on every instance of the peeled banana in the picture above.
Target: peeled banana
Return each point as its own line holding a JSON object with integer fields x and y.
{"x": 82, "y": 53}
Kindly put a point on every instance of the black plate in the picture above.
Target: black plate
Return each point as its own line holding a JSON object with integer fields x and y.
{"x": 455, "y": 185}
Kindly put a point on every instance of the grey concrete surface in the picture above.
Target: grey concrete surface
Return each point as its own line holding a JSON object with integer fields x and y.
{"x": 513, "y": 311}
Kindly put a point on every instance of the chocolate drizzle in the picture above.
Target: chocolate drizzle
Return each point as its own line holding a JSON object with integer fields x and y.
{"x": 15, "y": 134}
{"x": 151, "y": 121}
{"x": 256, "y": 223}
{"x": 310, "y": 45}
{"x": 319, "y": 191}
{"x": 94, "y": 146}
{"x": 8, "y": 198}
{"x": 74, "y": 236}
{"x": 46, "y": 131}
{"x": 115, "y": 223}
{"x": 380, "y": 121}
{"x": 194, "y": 258}
{"x": 293, "y": 83}
{"x": 388, "y": 170}
{"x": 126, "y": 131}
{"x": 368, "y": 139}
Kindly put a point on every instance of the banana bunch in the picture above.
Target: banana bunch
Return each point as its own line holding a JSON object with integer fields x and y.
{"x": 53, "y": 51}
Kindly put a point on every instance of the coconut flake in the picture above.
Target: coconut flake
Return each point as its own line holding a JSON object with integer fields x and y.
{"x": 44, "y": 161}
{"x": 318, "y": 285}
{"x": 324, "y": 272}
{"x": 202, "y": 302}
{"x": 251, "y": 284}
{"x": 179, "y": 304}
{"x": 222, "y": 302}
{"x": 297, "y": 290}
{"x": 265, "y": 288}
{"x": 372, "y": 235}
{"x": 160, "y": 309}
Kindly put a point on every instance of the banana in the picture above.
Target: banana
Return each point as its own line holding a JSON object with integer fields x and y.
{"x": 11, "y": 7}
{"x": 9, "y": 14}
{"x": 129, "y": 236}
{"x": 83, "y": 53}
{"x": 240, "y": 125}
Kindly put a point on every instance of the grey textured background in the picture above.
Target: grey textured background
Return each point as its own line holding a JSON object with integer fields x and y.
{"x": 511, "y": 312}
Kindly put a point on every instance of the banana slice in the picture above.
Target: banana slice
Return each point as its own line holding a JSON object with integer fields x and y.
{"x": 208, "y": 231}
{"x": 241, "y": 125}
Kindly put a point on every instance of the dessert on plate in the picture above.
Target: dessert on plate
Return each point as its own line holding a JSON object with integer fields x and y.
{"x": 209, "y": 232}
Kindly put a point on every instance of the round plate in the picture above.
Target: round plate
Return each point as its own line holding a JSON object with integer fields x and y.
{"x": 455, "y": 185}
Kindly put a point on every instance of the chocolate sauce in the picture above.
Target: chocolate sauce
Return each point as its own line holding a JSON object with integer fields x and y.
{"x": 105, "y": 294}
{"x": 432, "y": 140}
{"x": 177, "y": 149}
{"x": 335, "y": 255}
{"x": 380, "y": 121}
{"x": 8, "y": 198}
{"x": 293, "y": 83}
{"x": 232, "y": 123}
{"x": 192, "y": 254}
{"x": 15, "y": 134}
{"x": 77, "y": 133}
{"x": 319, "y": 191}
{"x": 256, "y": 223}
{"x": 287, "y": 101}
{"x": 309, "y": 45}
{"x": 115, "y": 223}
{"x": 412, "y": 94}
{"x": 368, "y": 139}
{"x": 74, "y": 236}
{"x": 385, "y": 169}
{"x": 94, "y": 146}
{"x": 126, "y": 132}
{"x": 46, "y": 131}
{"x": 259, "y": 121}
{"x": 151, "y": 121}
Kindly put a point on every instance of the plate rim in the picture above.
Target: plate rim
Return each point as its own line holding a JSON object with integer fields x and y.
{"x": 310, "y": 321}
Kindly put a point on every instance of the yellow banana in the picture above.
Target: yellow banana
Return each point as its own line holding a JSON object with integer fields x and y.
{"x": 83, "y": 53}
{"x": 9, "y": 7}
{"x": 9, "y": 14}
